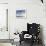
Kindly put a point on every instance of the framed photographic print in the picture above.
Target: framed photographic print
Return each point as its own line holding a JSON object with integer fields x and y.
{"x": 21, "y": 13}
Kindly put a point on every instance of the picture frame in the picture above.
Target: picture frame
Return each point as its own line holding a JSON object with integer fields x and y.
{"x": 21, "y": 13}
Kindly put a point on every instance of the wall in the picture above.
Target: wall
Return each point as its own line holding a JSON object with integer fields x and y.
{"x": 3, "y": 1}
{"x": 35, "y": 13}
